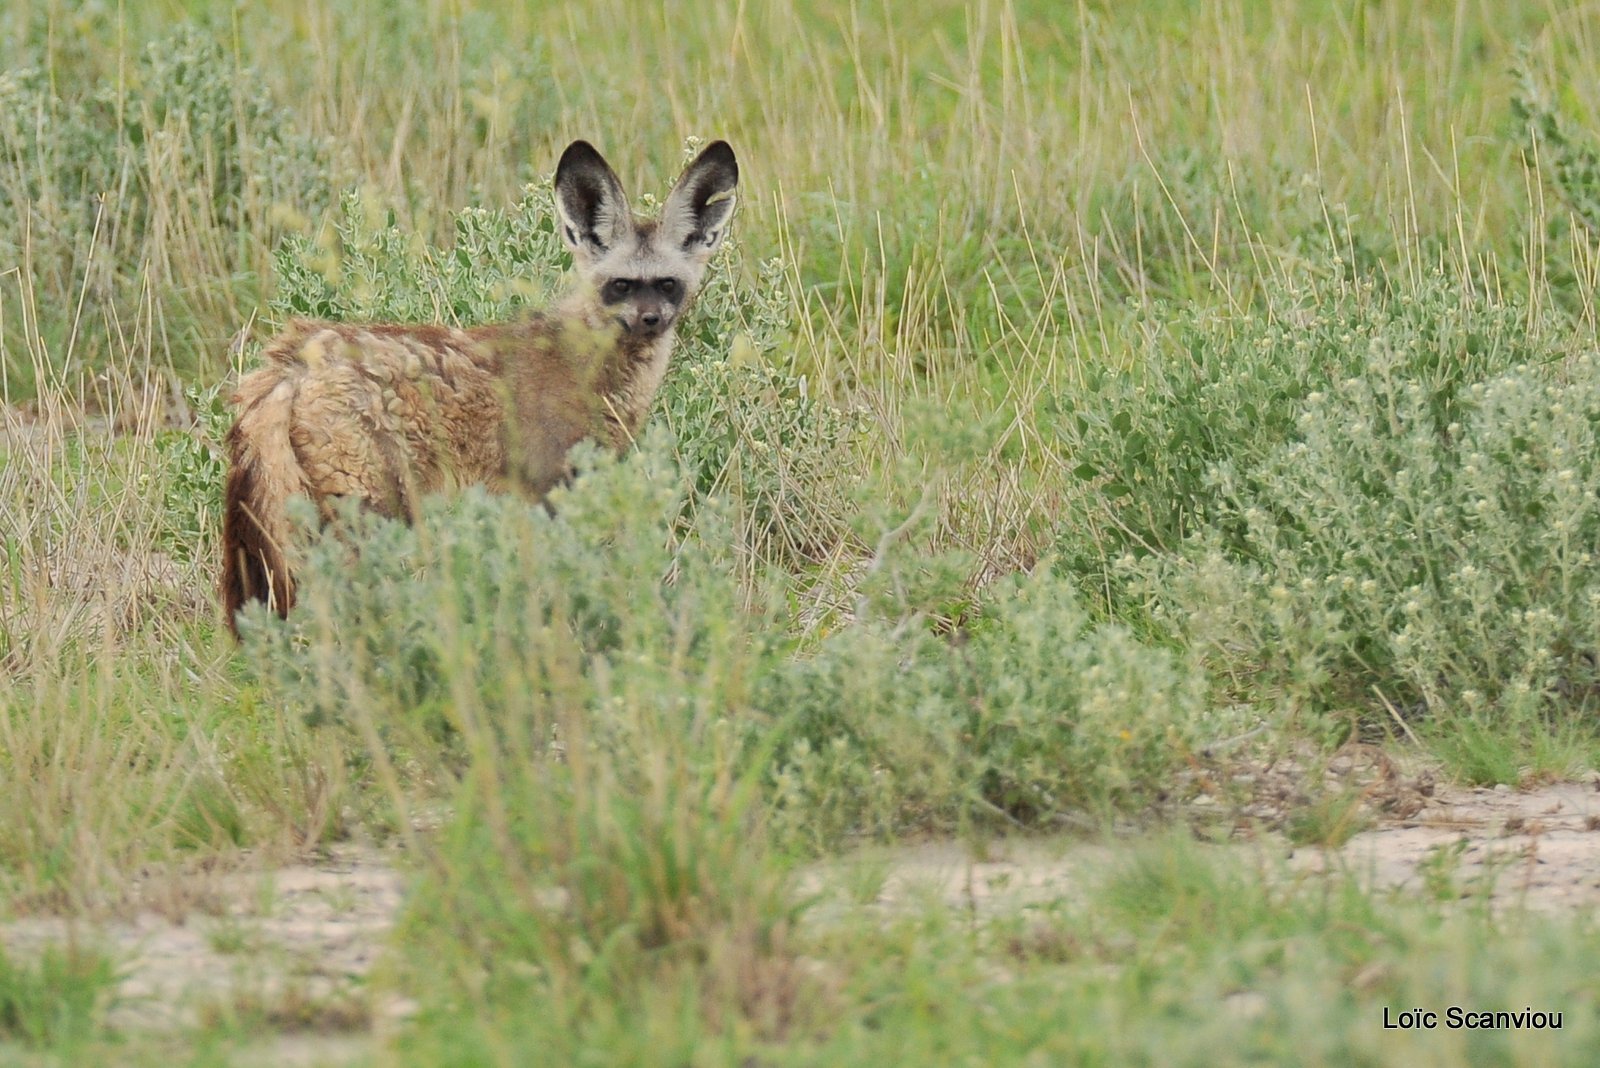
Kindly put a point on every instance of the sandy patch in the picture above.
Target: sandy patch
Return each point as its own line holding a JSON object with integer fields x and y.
{"x": 291, "y": 946}
{"x": 1538, "y": 848}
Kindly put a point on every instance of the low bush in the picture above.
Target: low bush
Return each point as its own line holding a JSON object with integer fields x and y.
{"x": 490, "y": 624}
{"x": 1212, "y": 391}
{"x": 1389, "y": 507}
{"x": 147, "y": 190}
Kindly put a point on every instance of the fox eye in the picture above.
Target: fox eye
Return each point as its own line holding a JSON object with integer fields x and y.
{"x": 618, "y": 289}
{"x": 667, "y": 287}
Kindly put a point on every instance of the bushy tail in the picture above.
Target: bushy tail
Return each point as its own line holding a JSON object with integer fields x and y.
{"x": 264, "y": 471}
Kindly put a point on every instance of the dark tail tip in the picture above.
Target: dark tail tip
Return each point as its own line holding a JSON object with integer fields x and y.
{"x": 253, "y": 565}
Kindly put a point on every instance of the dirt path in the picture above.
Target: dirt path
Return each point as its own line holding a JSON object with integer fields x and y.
{"x": 293, "y": 947}
{"x": 1538, "y": 848}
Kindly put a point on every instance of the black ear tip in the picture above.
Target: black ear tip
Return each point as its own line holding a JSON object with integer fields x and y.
{"x": 580, "y": 154}
{"x": 720, "y": 153}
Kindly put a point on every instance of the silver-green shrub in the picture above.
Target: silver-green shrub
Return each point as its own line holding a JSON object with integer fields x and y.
{"x": 493, "y": 631}
{"x": 107, "y": 189}
{"x": 1212, "y": 391}
{"x": 1040, "y": 714}
{"x": 1448, "y": 569}
{"x": 1383, "y": 505}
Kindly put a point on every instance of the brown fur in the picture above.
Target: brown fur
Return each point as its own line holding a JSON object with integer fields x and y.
{"x": 388, "y": 413}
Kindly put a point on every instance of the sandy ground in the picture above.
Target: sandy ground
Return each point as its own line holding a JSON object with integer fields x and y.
{"x": 1537, "y": 848}
{"x": 291, "y": 947}
{"x": 295, "y": 945}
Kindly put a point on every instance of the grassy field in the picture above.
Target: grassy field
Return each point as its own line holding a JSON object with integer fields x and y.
{"x": 1098, "y": 403}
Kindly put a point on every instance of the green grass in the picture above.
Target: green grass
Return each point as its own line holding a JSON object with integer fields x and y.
{"x": 1174, "y": 957}
{"x": 53, "y": 1001}
{"x": 1086, "y": 387}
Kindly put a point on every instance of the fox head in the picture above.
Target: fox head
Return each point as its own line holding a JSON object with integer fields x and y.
{"x": 644, "y": 272}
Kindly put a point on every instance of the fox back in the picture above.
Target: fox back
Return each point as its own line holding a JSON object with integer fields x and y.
{"x": 389, "y": 413}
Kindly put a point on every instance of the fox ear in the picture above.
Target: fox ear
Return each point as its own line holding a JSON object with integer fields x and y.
{"x": 591, "y": 207}
{"x": 695, "y": 216}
